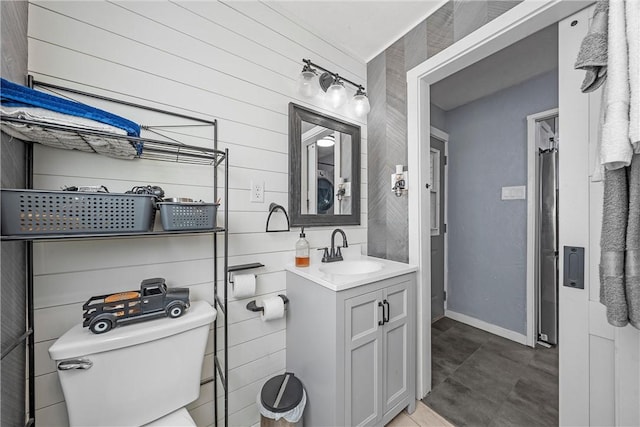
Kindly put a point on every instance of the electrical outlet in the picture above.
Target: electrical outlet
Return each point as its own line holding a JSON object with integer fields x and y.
{"x": 256, "y": 192}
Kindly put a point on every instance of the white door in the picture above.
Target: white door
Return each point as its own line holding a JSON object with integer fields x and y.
{"x": 599, "y": 364}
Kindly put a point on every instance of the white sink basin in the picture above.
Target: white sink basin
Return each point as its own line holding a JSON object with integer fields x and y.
{"x": 350, "y": 268}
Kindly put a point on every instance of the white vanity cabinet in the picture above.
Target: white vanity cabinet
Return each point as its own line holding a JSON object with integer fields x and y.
{"x": 353, "y": 350}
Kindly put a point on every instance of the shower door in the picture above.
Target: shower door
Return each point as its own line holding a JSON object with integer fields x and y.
{"x": 548, "y": 247}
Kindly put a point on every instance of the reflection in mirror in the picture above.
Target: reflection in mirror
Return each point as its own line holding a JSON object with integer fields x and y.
{"x": 324, "y": 169}
{"x": 326, "y": 165}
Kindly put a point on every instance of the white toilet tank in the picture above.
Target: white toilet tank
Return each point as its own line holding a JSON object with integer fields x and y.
{"x": 133, "y": 374}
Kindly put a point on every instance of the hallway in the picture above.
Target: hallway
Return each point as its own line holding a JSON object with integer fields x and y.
{"x": 480, "y": 379}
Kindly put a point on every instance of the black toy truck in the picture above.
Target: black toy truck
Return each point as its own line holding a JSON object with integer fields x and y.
{"x": 104, "y": 312}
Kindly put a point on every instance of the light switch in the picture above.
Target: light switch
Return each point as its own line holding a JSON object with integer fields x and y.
{"x": 514, "y": 193}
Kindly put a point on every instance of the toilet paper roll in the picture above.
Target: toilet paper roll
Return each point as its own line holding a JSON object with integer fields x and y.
{"x": 273, "y": 308}
{"x": 244, "y": 285}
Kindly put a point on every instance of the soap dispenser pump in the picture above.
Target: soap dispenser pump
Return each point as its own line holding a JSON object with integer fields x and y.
{"x": 302, "y": 251}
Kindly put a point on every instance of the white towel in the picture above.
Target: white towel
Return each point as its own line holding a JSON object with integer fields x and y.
{"x": 616, "y": 150}
{"x": 632, "y": 8}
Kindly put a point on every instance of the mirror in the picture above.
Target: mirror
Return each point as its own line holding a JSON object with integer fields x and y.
{"x": 324, "y": 169}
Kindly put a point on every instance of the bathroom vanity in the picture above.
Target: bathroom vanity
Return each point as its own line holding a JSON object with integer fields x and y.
{"x": 351, "y": 339}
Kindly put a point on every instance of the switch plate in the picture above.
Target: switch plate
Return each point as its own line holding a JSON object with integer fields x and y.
{"x": 256, "y": 192}
{"x": 514, "y": 193}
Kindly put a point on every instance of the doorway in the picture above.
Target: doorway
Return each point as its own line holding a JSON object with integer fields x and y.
{"x": 516, "y": 24}
{"x": 478, "y": 343}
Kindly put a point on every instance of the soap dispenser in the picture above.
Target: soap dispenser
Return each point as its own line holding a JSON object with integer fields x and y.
{"x": 302, "y": 251}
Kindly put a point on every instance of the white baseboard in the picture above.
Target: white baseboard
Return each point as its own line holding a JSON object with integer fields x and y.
{"x": 481, "y": 324}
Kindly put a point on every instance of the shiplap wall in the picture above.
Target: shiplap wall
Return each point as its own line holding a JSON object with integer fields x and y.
{"x": 237, "y": 62}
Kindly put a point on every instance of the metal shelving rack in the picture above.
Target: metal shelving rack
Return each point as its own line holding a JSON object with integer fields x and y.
{"x": 167, "y": 149}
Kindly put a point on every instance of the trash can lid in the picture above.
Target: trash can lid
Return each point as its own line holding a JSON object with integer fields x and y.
{"x": 281, "y": 393}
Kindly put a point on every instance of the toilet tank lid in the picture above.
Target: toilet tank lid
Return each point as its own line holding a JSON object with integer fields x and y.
{"x": 79, "y": 341}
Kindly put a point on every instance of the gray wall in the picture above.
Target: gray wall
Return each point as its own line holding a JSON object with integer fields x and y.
{"x": 438, "y": 117}
{"x": 387, "y": 121}
{"x": 12, "y": 292}
{"x": 487, "y": 236}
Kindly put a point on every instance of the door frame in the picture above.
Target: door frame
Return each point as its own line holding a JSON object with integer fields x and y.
{"x": 444, "y": 137}
{"x": 515, "y": 24}
{"x": 532, "y": 225}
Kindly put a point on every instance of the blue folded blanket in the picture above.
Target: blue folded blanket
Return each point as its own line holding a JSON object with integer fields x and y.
{"x": 14, "y": 95}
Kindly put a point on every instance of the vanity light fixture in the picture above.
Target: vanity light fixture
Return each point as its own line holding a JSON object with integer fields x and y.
{"x": 310, "y": 83}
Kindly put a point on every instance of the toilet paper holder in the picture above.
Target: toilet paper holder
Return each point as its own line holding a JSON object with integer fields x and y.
{"x": 253, "y": 307}
{"x": 234, "y": 268}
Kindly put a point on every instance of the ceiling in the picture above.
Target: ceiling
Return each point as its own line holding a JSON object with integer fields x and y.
{"x": 514, "y": 64}
{"x": 362, "y": 28}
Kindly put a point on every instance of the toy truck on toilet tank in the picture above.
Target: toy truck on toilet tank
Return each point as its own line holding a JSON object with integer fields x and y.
{"x": 104, "y": 312}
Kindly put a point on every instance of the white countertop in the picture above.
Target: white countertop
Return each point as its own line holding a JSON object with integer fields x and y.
{"x": 341, "y": 282}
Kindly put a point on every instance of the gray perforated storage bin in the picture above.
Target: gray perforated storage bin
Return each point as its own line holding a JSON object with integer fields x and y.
{"x": 187, "y": 216}
{"x": 31, "y": 212}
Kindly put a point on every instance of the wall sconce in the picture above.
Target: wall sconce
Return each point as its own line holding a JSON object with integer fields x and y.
{"x": 399, "y": 181}
{"x": 343, "y": 189}
{"x": 335, "y": 96}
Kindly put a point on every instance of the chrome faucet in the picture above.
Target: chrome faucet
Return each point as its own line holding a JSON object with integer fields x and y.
{"x": 334, "y": 254}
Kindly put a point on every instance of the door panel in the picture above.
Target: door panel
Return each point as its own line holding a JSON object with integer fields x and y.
{"x": 363, "y": 348}
{"x": 437, "y": 233}
{"x": 599, "y": 364}
{"x": 396, "y": 365}
{"x": 601, "y": 385}
{"x": 365, "y": 383}
{"x": 396, "y": 341}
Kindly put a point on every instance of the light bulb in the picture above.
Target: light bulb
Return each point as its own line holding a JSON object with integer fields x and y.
{"x": 360, "y": 104}
{"x": 336, "y": 95}
{"x": 308, "y": 85}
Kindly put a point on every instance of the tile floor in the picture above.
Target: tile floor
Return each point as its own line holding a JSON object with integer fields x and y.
{"x": 480, "y": 379}
{"x": 422, "y": 417}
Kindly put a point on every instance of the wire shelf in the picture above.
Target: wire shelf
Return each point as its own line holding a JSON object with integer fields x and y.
{"x": 153, "y": 149}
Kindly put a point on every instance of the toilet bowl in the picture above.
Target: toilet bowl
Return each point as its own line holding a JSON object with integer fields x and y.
{"x": 136, "y": 374}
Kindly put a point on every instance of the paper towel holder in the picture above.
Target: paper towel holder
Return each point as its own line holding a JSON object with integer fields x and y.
{"x": 253, "y": 307}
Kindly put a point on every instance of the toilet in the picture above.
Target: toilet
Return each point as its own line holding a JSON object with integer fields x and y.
{"x": 142, "y": 374}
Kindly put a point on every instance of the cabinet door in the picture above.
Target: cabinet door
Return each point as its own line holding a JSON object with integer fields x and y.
{"x": 363, "y": 367}
{"x": 395, "y": 360}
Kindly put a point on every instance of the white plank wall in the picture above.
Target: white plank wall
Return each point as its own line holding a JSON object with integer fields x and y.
{"x": 233, "y": 61}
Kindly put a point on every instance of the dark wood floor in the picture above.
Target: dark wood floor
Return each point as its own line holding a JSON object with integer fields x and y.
{"x": 480, "y": 379}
